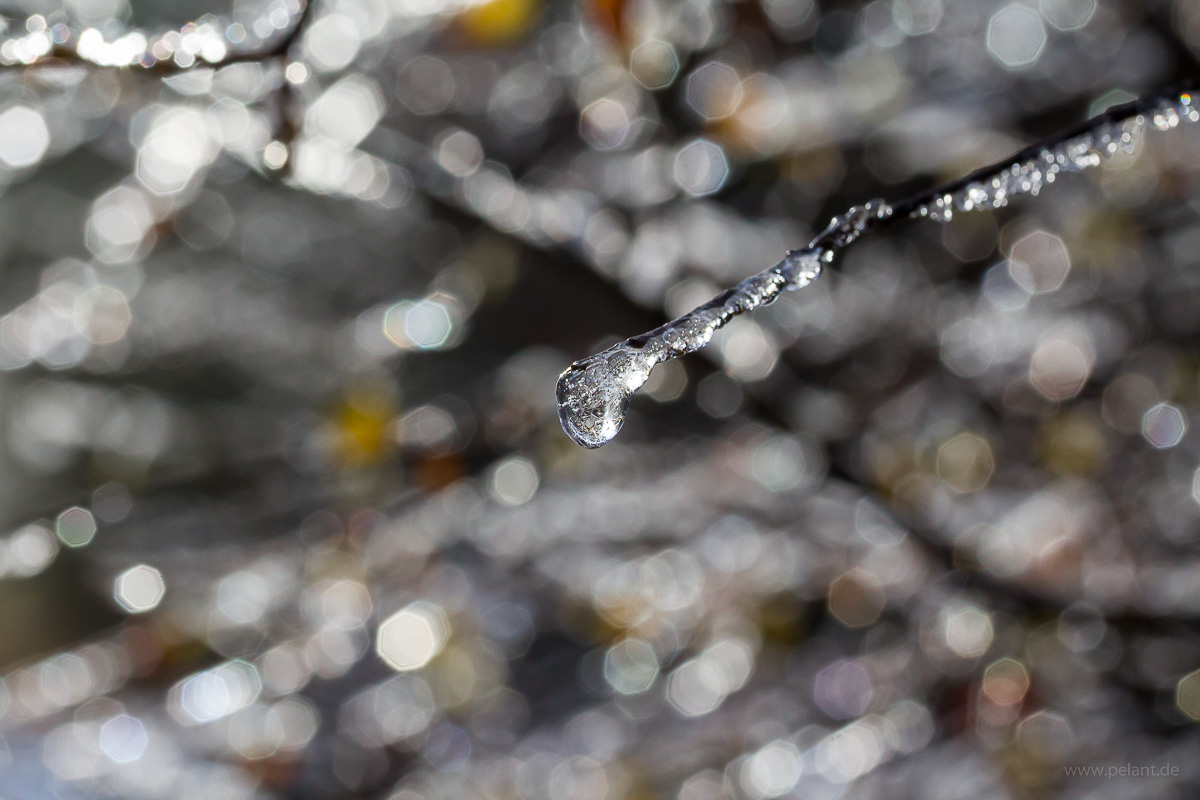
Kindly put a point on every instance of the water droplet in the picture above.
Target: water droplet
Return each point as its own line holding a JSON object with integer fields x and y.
{"x": 593, "y": 394}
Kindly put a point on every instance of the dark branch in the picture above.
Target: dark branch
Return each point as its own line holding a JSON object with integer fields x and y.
{"x": 1116, "y": 114}
{"x": 62, "y": 54}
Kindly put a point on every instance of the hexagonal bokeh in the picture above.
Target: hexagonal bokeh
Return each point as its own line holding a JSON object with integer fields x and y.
{"x": 425, "y": 324}
{"x": 917, "y": 17}
{"x": 513, "y": 481}
{"x": 1187, "y": 695}
{"x": 604, "y": 124}
{"x": 790, "y": 17}
{"x": 856, "y": 599}
{"x": 967, "y": 631}
{"x": 75, "y": 527}
{"x": 714, "y": 90}
{"x": 30, "y": 549}
{"x": 1046, "y": 735}
{"x": 139, "y": 589}
{"x": 1068, "y": 15}
{"x": 23, "y": 136}
{"x": 458, "y": 152}
{"x": 843, "y": 689}
{"x": 772, "y": 771}
{"x": 410, "y": 638}
{"x": 1059, "y": 368}
{"x": 1164, "y": 425}
{"x": 654, "y": 64}
{"x": 965, "y": 462}
{"x": 700, "y": 685}
{"x": 701, "y": 167}
{"x": 1005, "y": 681}
{"x": 1016, "y": 36}
{"x": 347, "y": 110}
{"x": 747, "y": 351}
{"x": 1039, "y": 262}
{"x": 123, "y": 738}
{"x": 630, "y": 666}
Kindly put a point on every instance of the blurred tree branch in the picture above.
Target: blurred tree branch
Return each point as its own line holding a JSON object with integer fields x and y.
{"x": 67, "y": 51}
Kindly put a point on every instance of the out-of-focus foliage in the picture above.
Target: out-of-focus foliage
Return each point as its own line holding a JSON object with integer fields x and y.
{"x": 288, "y": 509}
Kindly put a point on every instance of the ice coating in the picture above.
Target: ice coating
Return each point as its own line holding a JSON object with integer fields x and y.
{"x": 594, "y": 393}
{"x": 1073, "y": 154}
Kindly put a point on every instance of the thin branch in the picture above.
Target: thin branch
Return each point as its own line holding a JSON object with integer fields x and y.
{"x": 593, "y": 393}
{"x": 144, "y": 60}
{"x": 1115, "y": 115}
{"x": 64, "y": 53}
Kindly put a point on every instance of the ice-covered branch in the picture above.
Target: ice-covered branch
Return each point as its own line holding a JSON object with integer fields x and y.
{"x": 207, "y": 42}
{"x": 593, "y": 393}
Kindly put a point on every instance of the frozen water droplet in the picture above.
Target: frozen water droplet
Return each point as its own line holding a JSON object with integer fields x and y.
{"x": 593, "y": 393}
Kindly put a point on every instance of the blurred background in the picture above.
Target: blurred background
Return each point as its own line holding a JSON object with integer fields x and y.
{"x": 287, "y": 511}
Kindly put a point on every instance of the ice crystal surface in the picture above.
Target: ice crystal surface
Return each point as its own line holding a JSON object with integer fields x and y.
{"x": 1030, "y": 176}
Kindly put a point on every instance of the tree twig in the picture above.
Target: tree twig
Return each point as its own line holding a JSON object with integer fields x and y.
{"x": 1112, "y": 116}
{"x": 593, "y": 393}
{"x": 66, "y": 54}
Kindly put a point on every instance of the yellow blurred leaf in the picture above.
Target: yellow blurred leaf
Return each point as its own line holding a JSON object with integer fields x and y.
{"x": 363, "y": 419}
{"x": 499, "y": 22}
